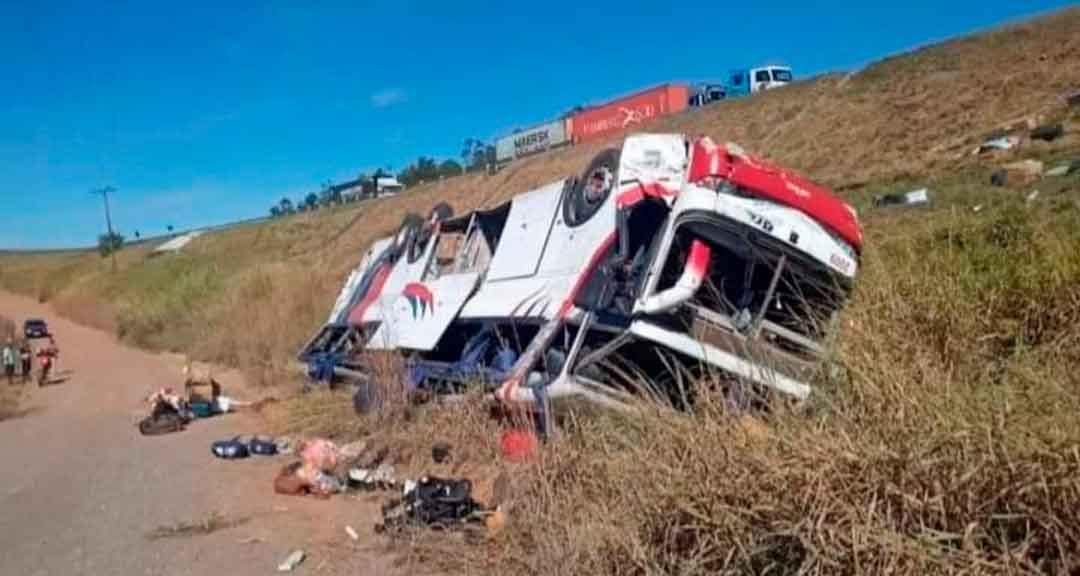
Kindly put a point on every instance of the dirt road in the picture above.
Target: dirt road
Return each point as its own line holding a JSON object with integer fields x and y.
{"x": 83, "y": 492}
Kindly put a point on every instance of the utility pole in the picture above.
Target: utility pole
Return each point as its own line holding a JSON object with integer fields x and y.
{"x": 104, "y": 193}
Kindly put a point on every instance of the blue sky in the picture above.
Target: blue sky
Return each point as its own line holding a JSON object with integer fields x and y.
{"x": 205, "y": 112}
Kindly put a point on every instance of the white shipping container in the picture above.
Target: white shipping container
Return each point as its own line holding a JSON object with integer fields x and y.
{"x": 531, "y": 141}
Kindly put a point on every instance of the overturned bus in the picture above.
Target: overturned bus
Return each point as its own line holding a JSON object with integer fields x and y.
{"x": 667, "y": 256}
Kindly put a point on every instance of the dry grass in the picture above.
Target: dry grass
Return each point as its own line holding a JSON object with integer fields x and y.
{"x": 87, "y": 310}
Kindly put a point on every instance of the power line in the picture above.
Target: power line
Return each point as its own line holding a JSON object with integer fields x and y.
{"x": 104, "y": 193}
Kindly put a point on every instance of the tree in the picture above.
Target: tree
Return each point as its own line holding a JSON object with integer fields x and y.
{"x": 275, "y": 211}
{"x": 137, "y": 235}
{"x": 476, "y": 154}
{"x": 423, "y": 170}
{"x": 169, "y": 228}
{"x": 311, "y": 201}
{"x": 467, "y": 151}
{"x": 449, "y": 168}
{"x": 286, "y": 207}
{"x": 109, "y": 243}
{"x": 330, "y": 194}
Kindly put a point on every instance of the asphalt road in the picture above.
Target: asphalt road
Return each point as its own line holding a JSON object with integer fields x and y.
{"x": 82, "y": 492}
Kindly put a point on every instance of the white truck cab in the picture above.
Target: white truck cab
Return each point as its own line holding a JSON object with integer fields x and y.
{"x": 746, "y": 82}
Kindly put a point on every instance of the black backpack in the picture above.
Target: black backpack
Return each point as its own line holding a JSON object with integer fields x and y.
{"x": 437, "y": 502}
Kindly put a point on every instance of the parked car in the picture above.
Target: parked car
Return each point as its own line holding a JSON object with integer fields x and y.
{"x": 35, "y": 328}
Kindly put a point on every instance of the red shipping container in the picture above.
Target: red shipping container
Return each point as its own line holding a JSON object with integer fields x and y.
{"x": 628, "y": 112}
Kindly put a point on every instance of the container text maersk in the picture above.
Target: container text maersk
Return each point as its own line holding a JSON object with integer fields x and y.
{"x": 531, "y": 141}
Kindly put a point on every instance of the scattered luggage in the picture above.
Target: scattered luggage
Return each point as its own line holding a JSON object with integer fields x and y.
{"x": 434, "y": 503}
{"x": 230, "y": 449}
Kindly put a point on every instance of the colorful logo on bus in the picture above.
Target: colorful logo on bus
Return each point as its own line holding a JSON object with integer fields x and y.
{"x": 421, "y": 300}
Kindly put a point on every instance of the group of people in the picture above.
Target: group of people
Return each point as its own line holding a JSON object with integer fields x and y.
{"x": 22, "y": 357}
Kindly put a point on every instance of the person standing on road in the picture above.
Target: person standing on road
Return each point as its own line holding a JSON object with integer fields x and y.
{"x": 9, "y": 361}
{"x": 26, "y": 357}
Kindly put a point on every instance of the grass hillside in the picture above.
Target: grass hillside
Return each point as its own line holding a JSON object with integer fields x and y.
{"x": 249, "y": 296}
{"x": 945, "y": 440}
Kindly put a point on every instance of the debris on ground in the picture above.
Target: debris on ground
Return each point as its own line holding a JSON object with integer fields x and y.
{"x": 262, "y": 447}
{"x": 285, "y": 445}
{"x": 495, "y": 522}
{"x": 169, "y": 412}
{"x": 915, "y": 197}
{"x": 1064, "y": 169}
{"x": 433, "y": 502}
{"x": 230, "y": 449}
{"x": 1072, "y": 98}
{"x": 294, "y": 480}
{"x": 998, "y": 143}
{"x": 1058, "y": 170}
{"x": 1048, "y": 132}
{"x": 291, "y": 562}
{"x": 313, "y": 474}
{"x": 352, "y": 533}
{"x": 518, "y": 445}
{"x": 319, "y": 454}
{"x": 1031, "y": 197}
{"x": 440, "y": 452}
{"x": 327, "y": 483}
{"x": 353, "y": 450}
{"x": 1018, "y": 173}
{"x": 380, "y": 478}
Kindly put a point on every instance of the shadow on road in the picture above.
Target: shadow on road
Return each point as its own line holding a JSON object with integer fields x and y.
{"x": 15, "y": 414}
